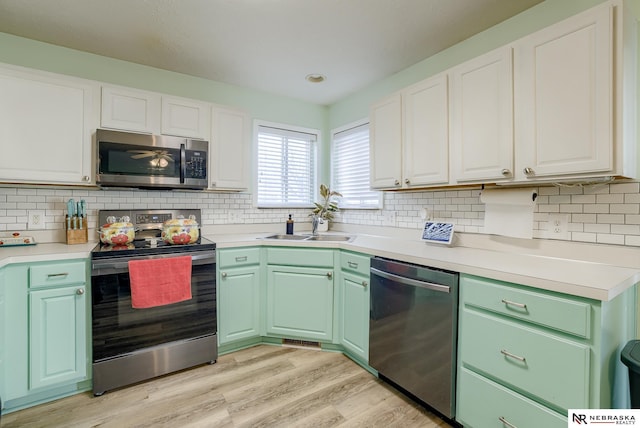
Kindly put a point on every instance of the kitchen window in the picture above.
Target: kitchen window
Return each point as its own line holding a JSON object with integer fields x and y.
{"x": 350, "y": 167}
{"x": 286, "y": 166}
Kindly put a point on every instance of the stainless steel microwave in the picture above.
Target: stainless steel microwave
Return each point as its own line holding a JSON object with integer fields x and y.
{"x": 126, "y": 159}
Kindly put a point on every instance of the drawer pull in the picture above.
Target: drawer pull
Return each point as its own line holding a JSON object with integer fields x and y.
{"x": 515, "y": 357}
{"x": 353, "y": 265}
{"x": 241, "y": 259}
{"x": 223, "y": 274}
{"x": 53, "y": 275}
{"x": 504, "y": 421}
{"x": 80, "y": 291}
{"x": 516, "y": 304}
{"x": 365, "y": 284}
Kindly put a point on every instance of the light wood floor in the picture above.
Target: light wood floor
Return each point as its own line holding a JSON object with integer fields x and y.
{"x": 263, "y": 386}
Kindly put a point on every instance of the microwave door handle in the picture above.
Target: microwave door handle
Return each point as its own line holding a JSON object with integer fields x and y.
{"x": 183, "y": 163}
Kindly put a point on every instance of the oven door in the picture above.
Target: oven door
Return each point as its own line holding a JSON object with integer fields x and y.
{"x": 120, "y": 329}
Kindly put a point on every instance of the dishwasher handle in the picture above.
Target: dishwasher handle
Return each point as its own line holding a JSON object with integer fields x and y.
{"x": 409, "y": 281}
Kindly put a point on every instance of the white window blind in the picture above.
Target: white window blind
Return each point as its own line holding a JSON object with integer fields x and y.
{"x": 286, "y": 167}
{"x": 350, "y": 168}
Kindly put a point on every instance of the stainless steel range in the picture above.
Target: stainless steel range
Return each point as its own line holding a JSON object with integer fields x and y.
{"x": 132, "y": 344}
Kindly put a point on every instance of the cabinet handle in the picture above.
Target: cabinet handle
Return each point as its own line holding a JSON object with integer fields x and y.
{"x": 353, "y": 265}
{"x": 86, "y": 178}
{"x": 53, "y": 275}
{"x": 80, "y": 291}
{"x": 406, "y": 181}
{"x": 241, "y": 259}
{"x": 509, "y": 302}
{"x": 506, "y": 172}
{"x": 223, "y": 274}
{"x": 329, "y": 275}
{"x": 364, "y": 284}
{"x": 397, "y": 182}
{"x": 515, "y": 357}
{"x": 529, "y": 172}
{"x": 504, "y": 421}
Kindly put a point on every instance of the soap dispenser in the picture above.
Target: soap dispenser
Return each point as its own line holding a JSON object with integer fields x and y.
{"x": 290, "y": 226}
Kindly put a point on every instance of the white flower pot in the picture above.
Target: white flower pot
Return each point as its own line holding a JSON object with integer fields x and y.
{"x": 323, "y": 225}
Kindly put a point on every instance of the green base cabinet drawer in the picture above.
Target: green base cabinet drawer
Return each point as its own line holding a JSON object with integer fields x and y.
{"x": 228, "y": 258}
{"x": 487, "y": 404}
{"x": 311, "y": 257}
{"x": 547, "y": 310}
{"x": 53, "y": 274}
{"x": 356, "y": 263}
{"x": 548, "y": 367}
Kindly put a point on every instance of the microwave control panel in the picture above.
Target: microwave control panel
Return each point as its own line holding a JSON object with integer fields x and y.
{"x": 196, "y": 164}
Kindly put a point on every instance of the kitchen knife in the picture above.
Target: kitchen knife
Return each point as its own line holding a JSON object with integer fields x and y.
{"x": 70, "y": 209}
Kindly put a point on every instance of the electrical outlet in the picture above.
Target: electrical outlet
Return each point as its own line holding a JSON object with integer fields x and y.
{"x": 558, "y": 226}
{"x": 35, "y": 219}
{"x": 234, "y": 217}
{"x": 389, "y": 218}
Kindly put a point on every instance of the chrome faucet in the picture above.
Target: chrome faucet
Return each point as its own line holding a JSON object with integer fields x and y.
{"x": 314, "y": 224}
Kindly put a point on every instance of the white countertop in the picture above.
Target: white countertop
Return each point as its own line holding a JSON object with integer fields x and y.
{"x": 590, "y": 279}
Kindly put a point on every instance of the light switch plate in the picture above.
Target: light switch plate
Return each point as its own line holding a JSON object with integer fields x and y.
{"x": 35, "y": 219}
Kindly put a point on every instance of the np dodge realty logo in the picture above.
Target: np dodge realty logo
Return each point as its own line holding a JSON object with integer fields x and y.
{"x": 603, "y": 417}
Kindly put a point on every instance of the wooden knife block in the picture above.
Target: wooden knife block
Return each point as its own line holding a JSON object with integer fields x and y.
{"x": 77, "y": 236}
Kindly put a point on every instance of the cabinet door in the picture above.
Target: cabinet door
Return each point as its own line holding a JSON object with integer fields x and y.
{"x": 57, "y": 321}
{"x": 300, "y": 302}
{"x": 425, "y": 115}
{"x": 354, "y": 314}
{"x": 45, "y": 128}
{"x": 482, "y": 118}
{"x": 185, "y": 118}
{"x": 385, "y": 134}
{"x": 239, "y": 304}
{"x": 229, "y": 148}
{"x": 130, "y": 110}
{"x": 563, "y": 89}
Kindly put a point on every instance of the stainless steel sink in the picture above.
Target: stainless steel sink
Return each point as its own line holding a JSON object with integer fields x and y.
{"x": 329, "y": 238}
{"x": 335, "y": 238}
{"x": 287, "y": 237}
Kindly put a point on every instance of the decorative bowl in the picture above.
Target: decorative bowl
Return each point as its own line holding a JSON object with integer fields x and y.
{"x": 180, "y": 231}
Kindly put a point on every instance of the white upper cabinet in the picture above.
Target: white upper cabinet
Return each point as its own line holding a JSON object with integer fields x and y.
{"x": 564, "y": 97}
{"x": 130, "y": 110}
{"x": 46, "y": 121}
{"x": 385, "y": 134}
{"x": 482, "y": 118}
{"x": 410, "y": 137}
{"x": 185, "y": 118}
{"x": 426, "y": 133}
{"x": 229, "y": 149}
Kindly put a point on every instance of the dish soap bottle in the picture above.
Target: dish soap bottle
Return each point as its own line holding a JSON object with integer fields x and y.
{"x": 290, "y": 226}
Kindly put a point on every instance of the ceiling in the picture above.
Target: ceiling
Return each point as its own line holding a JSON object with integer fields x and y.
{"x": 268, "y": 45}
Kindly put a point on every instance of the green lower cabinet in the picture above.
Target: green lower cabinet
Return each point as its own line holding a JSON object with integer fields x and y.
{"x": 300, "y": 302}
{"x": 354, "y": 315}
{"x": 527, "y": 356}
{"x": 239, "y": 304}
{"x": 57, "y": 336}
{"x": 483, "y": 404}
{"x": 45, "y": 332}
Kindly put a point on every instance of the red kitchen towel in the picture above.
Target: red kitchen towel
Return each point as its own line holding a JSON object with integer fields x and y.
{"x": 157, "y": 282}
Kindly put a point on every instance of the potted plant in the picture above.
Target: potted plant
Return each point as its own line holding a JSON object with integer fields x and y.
{"x": 326, "y": 207}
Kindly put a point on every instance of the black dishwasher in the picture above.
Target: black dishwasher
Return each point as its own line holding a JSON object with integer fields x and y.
{"x": 413, "y": 326}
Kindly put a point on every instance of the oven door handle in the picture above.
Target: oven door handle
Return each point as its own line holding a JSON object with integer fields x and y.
{"x": 409, "y": 281}
{"x": 123, "y": 265}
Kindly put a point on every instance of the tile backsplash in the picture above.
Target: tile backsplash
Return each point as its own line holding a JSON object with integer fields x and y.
{"x": 601, "y": 213}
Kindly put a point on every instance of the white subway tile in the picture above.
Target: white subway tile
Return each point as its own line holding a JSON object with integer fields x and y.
{"x": 611, "y": 218}
{"x": 616, "y": 198}
{"x": 624, "y": 187}
{"x": 597, "y": 228}
{"x": 603, "y": 238}
{"x": 595, "y": 208}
